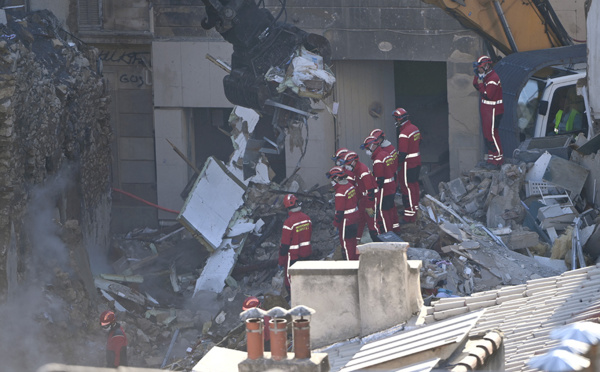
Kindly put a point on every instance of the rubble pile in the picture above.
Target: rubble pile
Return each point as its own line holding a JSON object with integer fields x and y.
{"x": 533, "y": 213}
{"x": 54, "y": 191}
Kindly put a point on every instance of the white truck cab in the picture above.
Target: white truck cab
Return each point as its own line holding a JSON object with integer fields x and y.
{"x": 549, "y": 104}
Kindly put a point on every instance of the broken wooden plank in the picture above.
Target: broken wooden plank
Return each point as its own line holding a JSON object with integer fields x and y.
{"x": 123, "y": 278}
{"x": 469, "y": 245}
{"x": 120, "y": 290}
{"x": 453, "y": 230}
{"x": 135, "y": 264}
{"x": 447, "y": 209}
{"x": 110, "y": 298}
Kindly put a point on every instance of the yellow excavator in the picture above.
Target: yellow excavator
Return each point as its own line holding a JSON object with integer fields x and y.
{"x": 510, "y": 25}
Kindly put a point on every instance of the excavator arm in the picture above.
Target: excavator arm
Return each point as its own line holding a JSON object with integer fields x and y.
{"x": 509, "y": 25}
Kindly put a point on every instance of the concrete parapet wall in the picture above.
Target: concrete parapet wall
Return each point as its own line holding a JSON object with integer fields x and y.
{"x": 331, "y": 289}
{"x": 357, "y": 298}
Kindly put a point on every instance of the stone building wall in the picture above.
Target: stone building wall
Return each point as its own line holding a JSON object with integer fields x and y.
{"x": 54, "y": 125}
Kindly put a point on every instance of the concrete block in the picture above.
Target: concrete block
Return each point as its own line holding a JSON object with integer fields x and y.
{"x": 457, "y": 189}
{"x": 521, "y": 239}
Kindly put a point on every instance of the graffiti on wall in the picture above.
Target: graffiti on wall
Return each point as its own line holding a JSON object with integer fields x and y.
{"x": 136, "y": 80}
{"x": 125, "y": 61}
{"x": 125, "y": 57}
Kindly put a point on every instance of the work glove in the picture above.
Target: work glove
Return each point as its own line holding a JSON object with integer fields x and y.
{"x": 370, "y": 212}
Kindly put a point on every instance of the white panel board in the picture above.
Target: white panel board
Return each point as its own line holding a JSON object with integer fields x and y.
{"x": 220, "y": 264}
{"x": 212, "y": 203}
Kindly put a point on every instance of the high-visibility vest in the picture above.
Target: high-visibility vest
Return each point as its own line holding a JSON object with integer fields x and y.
{"x": 569, "y": 125}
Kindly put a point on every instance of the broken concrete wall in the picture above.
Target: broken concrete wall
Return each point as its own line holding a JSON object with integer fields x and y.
{"x": 53, "y": 126}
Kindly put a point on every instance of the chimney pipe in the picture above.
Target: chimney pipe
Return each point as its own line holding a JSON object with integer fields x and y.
{"x": 278, "y": 329}
{"x": 254, "y": 338}
{"x": 301, "y": 329}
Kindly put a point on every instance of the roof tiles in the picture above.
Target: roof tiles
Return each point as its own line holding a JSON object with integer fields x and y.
{"x": 526, "y": 314}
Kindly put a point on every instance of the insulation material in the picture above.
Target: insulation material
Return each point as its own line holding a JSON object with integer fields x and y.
{"x": 307, "y": 77}
{"x": 562, "y": 245}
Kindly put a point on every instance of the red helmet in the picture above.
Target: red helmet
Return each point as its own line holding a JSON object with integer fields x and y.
{"x": 339, "y": 155}
{"x": 289, "y": 200}
{"x": 485, "y": 62}
{"x": 107, "y": 318}
{"x": 336, "y": 172}
{"x": 400, "y": 115}
{"x": 377, "y": 133}
{"x": 350, "y": 157}
{"x": 369, "y": 141}
{"x": 250, "y": 302}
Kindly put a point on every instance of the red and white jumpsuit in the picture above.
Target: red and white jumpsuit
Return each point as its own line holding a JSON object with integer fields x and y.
{"x": 384, "y": 172}
{"x": 409, "y": 159}
{"x": 367, "y": 188}
{"x": 295, "y": 241}
{"x": 491, "y": 109}
{"x": 346, "y": 218}
{"x": 116, "y": 347}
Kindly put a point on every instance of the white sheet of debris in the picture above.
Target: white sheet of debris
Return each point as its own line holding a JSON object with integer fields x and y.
{"x": 219, "y": 265}
{"x": 241, "y": 116}
{"x": 214, "y": 199}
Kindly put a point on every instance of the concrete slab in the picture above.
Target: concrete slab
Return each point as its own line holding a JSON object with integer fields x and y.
{"x": 559, "y": 265}
{"x": 566, "y": 174}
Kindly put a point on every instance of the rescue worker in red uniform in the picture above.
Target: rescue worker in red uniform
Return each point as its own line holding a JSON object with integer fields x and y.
{"x": 409, "y": 159}
{"x": 338, "y": 160}
{"x": 491, "y": 108}
{"x": 385, "y": 174}
{"x": 346, "y": 212}
{"x": 295, "y": 237}
{"x": 367, "y": 188}
{"x": 385, "y": 144}
{"x": 116, "y": 344}
{"x": 251, "y": 302}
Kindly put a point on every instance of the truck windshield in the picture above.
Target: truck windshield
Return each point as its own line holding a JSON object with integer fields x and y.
{"x": 528, "y": 107}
